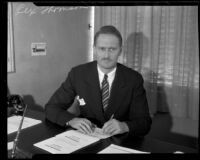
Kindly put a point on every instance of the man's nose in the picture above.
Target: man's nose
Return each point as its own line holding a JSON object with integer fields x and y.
{"x": 106, "y": 53}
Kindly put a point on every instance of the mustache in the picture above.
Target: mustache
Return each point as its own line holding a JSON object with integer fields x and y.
{"x": 104, "y": 59}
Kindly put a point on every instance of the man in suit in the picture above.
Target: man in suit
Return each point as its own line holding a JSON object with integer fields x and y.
{"x": 110, "y": 94}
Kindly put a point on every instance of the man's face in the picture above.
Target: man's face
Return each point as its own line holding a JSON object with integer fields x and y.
{"x": 107, "y": 51}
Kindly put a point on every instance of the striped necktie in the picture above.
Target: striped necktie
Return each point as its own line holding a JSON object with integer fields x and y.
{"x": 105, "y": 92}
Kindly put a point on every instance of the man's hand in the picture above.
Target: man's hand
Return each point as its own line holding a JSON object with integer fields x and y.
{"x": 82, "y": 124}
{"x": 114, "y": 127}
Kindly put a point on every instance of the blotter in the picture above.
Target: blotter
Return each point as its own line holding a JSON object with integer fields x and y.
{"x": 118, "y": 149}
{"x": 66, "y": 142}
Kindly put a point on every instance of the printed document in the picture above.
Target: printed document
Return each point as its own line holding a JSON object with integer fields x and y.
{"x": 66, "y": 142}
{"x": 14, "y": 122}
{"x": 118, "y": 149}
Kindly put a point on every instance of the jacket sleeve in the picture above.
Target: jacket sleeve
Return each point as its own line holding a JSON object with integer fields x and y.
{"x": 60, "y": 101}
{"x": 139, "y": 118}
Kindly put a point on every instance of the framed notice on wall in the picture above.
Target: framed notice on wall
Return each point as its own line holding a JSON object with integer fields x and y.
{"x": 10, "y": 44}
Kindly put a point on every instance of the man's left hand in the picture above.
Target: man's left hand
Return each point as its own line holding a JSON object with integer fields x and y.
{"x": 114, "y": 127}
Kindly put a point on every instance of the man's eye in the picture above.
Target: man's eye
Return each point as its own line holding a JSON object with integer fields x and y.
{"x": 112, "y": 49}
{"x": 102, "y": 49}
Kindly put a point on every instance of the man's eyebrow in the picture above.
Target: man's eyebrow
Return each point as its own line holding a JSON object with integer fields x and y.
{"x": 106, "y": 47}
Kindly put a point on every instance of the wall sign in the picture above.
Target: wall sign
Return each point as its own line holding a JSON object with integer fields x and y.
{"x": 38, "y": 49}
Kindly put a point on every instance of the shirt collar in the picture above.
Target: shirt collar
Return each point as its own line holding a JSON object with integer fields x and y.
{"x": 110, "y": 74}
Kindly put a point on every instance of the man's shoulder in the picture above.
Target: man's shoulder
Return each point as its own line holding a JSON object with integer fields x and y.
{"x": 128, "y": 71}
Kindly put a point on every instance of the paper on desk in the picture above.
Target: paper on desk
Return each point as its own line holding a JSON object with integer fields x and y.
{"x": 98, "y": 132}
{"x": 66, "y": 142}
{"x": 10, "y": 145}
{"x": 14, "y": 122}
{"x": 118, "y": 149}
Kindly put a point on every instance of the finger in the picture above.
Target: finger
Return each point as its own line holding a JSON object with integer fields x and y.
{"x": 114, "y": 132}
{"x": 82, "y": 129}
{"x": 106, "y": 126}
{"x": 86, "y": 127}
{"x": 109, "y": 129}
{"x": 88, "y": 122}
{"x": 93, "y": 126}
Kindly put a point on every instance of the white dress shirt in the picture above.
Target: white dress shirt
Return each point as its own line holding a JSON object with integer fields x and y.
{"x": 111, "y": 76}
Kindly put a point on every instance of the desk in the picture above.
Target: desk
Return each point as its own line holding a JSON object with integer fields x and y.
{"x": 46, "y": 129}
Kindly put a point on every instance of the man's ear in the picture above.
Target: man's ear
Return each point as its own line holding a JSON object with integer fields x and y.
{"x": 121, "y": 50}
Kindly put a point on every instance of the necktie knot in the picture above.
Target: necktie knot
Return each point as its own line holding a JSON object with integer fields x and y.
{"x": 105, "y": 76}
{"x": 105, "y": 79}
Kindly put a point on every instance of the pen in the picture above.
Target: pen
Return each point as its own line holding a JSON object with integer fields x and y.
{"x": 112, "y": 116}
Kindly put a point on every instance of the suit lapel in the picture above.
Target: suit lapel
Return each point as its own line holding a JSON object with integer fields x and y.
{"x": 95, "y": 92}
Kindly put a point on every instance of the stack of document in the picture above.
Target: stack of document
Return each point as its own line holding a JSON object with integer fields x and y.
{"x": 14, "y": 122}
{"x": 66, "y": 142}
{"x": 118, "y": 149}
{"x": 72, "y": 140}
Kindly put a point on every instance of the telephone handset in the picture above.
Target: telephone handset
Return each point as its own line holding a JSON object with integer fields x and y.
{"x": 15, "y": 104}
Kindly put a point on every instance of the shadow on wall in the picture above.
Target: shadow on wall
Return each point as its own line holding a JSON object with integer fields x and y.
{"x": 138, "y": 57}
{"x": 29, "y": 100}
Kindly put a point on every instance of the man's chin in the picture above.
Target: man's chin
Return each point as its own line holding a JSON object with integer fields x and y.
{"x": 107, "y": 66}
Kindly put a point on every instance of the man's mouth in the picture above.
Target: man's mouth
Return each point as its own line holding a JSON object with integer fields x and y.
{"x": 108, "y": 60}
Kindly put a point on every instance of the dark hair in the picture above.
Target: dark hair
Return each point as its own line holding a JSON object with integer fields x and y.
{"x": 108, "y": 30}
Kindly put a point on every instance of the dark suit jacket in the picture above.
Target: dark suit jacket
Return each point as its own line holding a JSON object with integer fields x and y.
{"x": 127, "y": 99}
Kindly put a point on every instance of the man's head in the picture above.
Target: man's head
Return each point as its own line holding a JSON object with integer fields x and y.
{"x": 107, "y": 47}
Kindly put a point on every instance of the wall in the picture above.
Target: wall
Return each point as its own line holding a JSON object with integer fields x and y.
{"x": 65, "y": 31}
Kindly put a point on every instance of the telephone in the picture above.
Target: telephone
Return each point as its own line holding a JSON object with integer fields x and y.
{"x": 15, "y": 104}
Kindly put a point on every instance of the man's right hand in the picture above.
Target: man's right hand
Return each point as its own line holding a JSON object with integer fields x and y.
{"x": 82, "y": 124}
